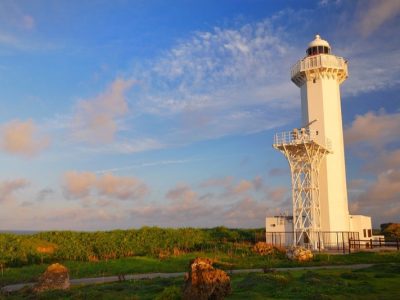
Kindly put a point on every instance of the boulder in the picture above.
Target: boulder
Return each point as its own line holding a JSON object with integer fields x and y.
{"x": 205, "y": 282}
{"x": 56, "y": 277}
{"x": 299, "y": 254}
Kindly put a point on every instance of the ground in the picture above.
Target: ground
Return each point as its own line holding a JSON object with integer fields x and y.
{"x": 381, "y": 281}
{"x": 377, "y": 282}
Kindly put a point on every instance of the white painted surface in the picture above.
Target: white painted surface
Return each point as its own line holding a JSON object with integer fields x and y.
{"x": 279, "y": 230}
{"x": 362, "y": 225}
{"x": 319, "y": 78}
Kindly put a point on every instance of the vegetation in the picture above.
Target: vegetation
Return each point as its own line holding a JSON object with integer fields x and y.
{"x": 377, "y": 282}
{"x": 391, "y": 230}
{"x": 143, "y": 264}
{"x": 18, "y": 250}
{"x": 94, "y": 254}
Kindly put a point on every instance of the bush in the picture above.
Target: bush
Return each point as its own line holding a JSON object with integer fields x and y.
{"x": 263, "y": 248}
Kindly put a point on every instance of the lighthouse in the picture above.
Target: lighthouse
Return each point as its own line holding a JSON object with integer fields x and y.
{"x": 319, "y": 76}
{"x": 315, "y": 152}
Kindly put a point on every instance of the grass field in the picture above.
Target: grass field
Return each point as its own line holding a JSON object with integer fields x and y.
{"x": 144, "y": 264}
{"x": 378, "y": 282}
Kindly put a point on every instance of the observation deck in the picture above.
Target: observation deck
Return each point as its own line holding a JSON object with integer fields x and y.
{"x": 316, "y": 64}
{"x": 304, "y": 152}
{"x": 300, "y": 136}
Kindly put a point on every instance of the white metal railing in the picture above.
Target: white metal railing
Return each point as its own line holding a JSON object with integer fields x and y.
{"x": 297, "y": 136}
{"x": 319, "y": 61}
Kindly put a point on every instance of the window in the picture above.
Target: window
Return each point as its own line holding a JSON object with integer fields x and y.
{"x": 273, "y": 225}
{"x": 314, "y": 50}
{"x": 369, "y": 232}
{"x": 365, "y": 232}
{"x": 320, "y": 49}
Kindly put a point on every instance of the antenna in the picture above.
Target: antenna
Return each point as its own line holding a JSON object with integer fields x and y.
{"x": 309, "y": 123}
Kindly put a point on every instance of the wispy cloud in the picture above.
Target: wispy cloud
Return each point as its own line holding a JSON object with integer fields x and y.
{"x": 13, "y": 15}
{"x": 126, "y": 146}
{"x": 374, "y": 14}
{"x": 9, "y": 187}
{"x": 43, "y": 194}
{"x": 147, "y": 164}
{"x": 221, "y": 82}
{"x": 227, "y": 81}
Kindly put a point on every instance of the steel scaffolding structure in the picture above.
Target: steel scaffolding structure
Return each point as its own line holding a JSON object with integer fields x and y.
{"x": 304, "y": 155}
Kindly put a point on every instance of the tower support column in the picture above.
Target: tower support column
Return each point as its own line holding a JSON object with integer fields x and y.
{"x": 304, "y": 155}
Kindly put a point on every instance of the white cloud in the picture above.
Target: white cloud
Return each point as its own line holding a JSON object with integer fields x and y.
{"x": 380, "y": 198}
{"x": 122, "y": 188}
{"x": 78, "y": 184}
{"x": 378, "y": 134}
{"x": 22, "y": 138}
{"x": 96, "y": 119}
{"x": 83, "y": 185}
{"x": 375, "y": 129}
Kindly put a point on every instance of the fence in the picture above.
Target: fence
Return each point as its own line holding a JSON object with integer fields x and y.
{"x": 325, "y": 240}
{"x": 337, "y": 241}
{"x": 357, "y": 244}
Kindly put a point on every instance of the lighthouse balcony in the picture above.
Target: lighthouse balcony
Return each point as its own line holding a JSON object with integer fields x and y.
{"x": 299, "y": 137}
{"x": 313, "y": 66}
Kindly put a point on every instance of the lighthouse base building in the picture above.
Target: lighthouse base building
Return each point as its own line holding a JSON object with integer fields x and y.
{"x": 315, "y": 153}
{"x": 280, "y": 231}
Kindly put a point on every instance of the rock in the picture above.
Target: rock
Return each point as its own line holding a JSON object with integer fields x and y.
{"x": 56, "y": 277}
{"x": 299, "y": 254}
{"x": 205, "y": 282}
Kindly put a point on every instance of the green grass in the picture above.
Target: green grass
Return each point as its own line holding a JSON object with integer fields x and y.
{"x": 378, "y": 282}
{"x": 135, "y": 265}
{"x": 321, "y": 284}
{"x": 132, "y": 265}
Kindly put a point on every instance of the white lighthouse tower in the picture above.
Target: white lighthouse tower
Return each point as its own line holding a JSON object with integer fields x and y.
{"x": 319, "y": 76}
{"x": 315, "y": 153}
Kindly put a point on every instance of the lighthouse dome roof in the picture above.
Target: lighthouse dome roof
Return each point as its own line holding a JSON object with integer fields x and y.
{"x": 318, "y": 46}
{"x": 318, "y": 42}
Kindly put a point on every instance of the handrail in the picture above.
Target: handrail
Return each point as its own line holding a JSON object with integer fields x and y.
{"x": 318, "y": 61}
{"x": 297, "y": 136}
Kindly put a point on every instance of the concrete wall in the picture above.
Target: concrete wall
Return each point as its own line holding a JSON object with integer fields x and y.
{"x": 279, "y": 230}
{"x": 362, "y": 225}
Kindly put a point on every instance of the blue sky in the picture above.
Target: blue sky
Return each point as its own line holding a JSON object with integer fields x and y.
{"x": 120, "y": 114}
